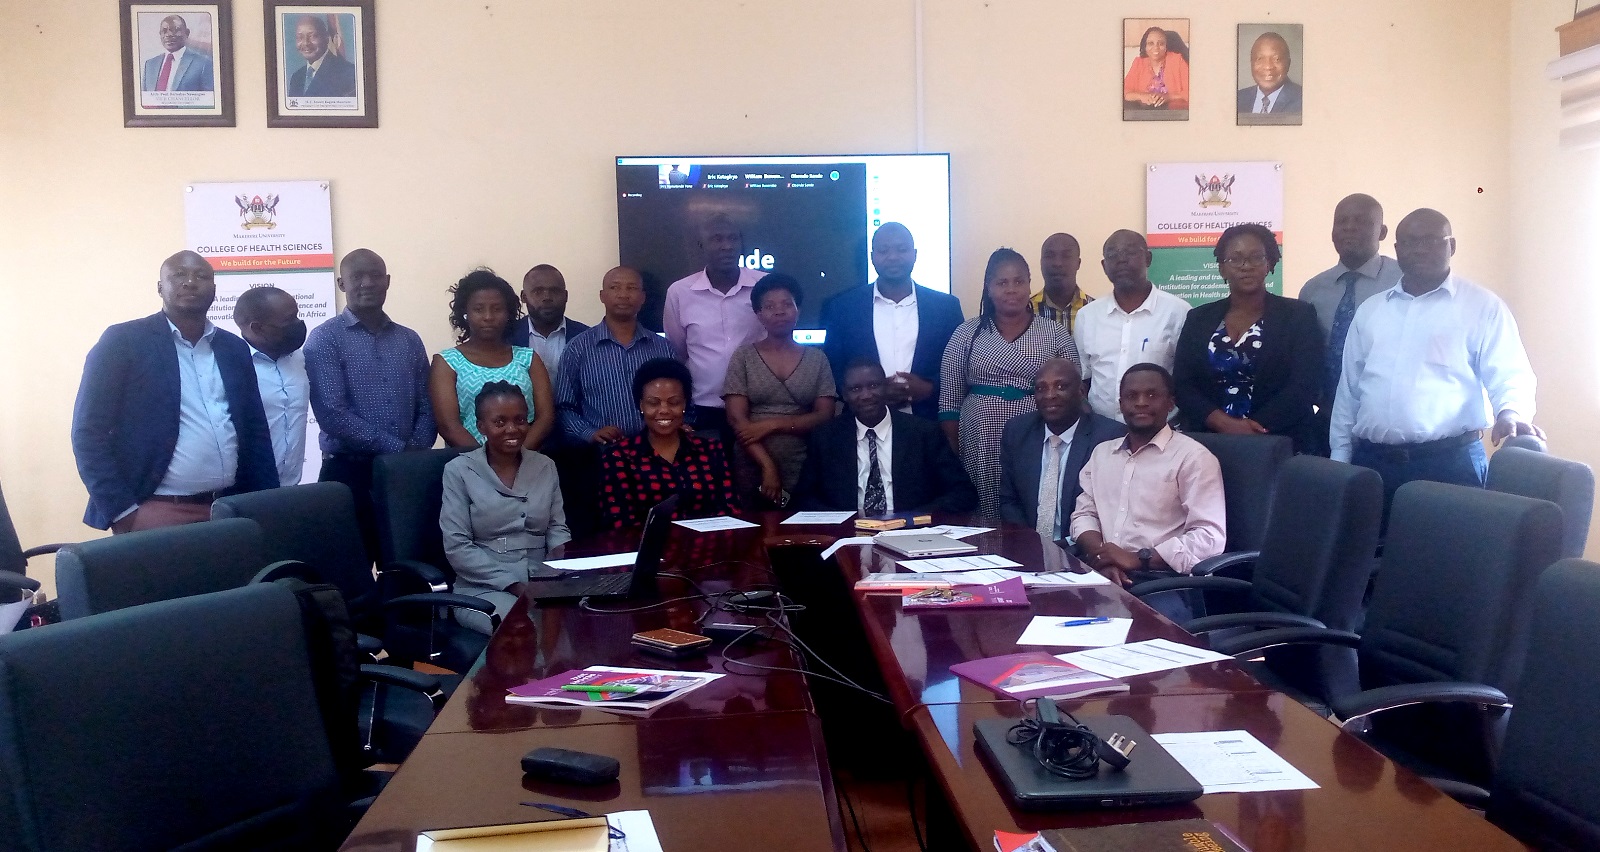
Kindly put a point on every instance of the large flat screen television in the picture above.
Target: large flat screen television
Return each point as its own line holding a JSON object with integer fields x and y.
{"x": 811, "y": 217}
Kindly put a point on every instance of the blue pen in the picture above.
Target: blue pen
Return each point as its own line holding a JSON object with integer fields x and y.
{"x": 1144, "y": 344}
{"x": 1080, "y": 622}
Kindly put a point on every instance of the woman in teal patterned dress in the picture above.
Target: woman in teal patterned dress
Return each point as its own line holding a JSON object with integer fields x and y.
{"x": 482, "y": 307}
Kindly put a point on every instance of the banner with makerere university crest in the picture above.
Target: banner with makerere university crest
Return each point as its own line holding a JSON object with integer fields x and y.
{"x": 1189, "y": 205}
{"x": 267, "y": 233}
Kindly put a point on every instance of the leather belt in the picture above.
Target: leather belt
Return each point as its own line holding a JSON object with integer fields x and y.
{"x": 1405, "y": 452}
{"x": 204, "y": 498}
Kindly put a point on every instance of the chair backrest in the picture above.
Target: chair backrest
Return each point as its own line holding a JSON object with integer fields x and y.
{"x": 11, "y": 558}
{"x": 1317, "y": 552}
{"x": 1547, "y": 789}
{"x": 191, "y": 722}
{"x": 313, "y": 523}
{"x": 1249, "y": 468}
{"x": 1451, "y": 601}
{"x": 143, "y": 567}
{"x": 1526, "y": 442}
{"x": 407, "y": 489}
{"x": 1566, "y": 483}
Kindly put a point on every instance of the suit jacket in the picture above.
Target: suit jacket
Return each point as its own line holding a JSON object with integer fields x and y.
{"x": 336, "y": 79}
{"x": 1021, "y": 452}
{"x": 1289, "y": 99}
{"x": 925, "y": 473}
{"x": 520, "y": 332}
{"x": 1289, "y": 369}
{"x": 848, "y": 320}
{"x": 125, "y": 421}
{"x": 193, "y": 73}
{"x": 493, "y": 534}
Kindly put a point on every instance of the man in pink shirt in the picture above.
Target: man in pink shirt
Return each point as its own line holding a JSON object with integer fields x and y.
{"x": 1152, "y": 503}
{"x": 708, "y": 315}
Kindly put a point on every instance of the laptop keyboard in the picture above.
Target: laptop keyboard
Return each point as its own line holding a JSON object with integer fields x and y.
{"x": 611, "y": 584}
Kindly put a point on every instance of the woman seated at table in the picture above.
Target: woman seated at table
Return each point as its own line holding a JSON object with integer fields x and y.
{"x": 666, "y": 458}
{"x": 482, "y": 308}
{"x": 1158, "y": 78}
{"x": 502, "y": 506}
{"x": 776, "y": 392}
{"x": 1250, "y": 363}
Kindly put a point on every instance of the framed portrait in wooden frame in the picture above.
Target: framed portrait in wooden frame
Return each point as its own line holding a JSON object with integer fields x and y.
{"x": 177, "y": 64}
{"x": 1155, "y": 64}
{"x": 321, "y": 64}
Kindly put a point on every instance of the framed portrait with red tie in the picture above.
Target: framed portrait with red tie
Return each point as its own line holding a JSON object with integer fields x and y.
{"x": 177, "y": 64}
{"x": 321, "y": 64}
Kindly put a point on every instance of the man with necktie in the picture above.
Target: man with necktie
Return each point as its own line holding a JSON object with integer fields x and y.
{"x": 1360, "y": 274}
{"x": 179, "y": 68}
{"x": 325, "y": 74}
{"x": 1273, "y": 92}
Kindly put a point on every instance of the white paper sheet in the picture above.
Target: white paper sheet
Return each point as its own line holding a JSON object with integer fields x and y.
{"x": 590, "y": 563}
{"x": 970, "y": 562}
{"x": 720, "y": 522}
{"x": 1064, "y": 578}
{"x": 834, "y": 548}
{"x": 640, "y": 831}
{"x": 1233, "y": 762}
{"x": 1046, "y": 630}
{"x": 951, "y": 531}
{"x": 819, "y": 517}
{"x": 1137, "y": 658}
{"x": 11, "y": 613}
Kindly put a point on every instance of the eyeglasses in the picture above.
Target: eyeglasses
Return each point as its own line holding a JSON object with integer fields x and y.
{"x": 1245, "y": 260}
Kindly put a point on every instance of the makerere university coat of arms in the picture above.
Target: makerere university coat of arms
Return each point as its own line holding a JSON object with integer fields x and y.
{"x": 258, "y": 212}
{"x": 1215, "y": 191}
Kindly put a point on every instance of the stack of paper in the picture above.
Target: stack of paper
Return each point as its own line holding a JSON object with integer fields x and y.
{"x": 1137, "y": 658}
{"x": 720, "y": 522}
{"x": 1233, "y": 762}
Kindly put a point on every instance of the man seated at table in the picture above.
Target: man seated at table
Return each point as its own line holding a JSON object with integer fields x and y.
{"x": 1039, "y": 487}
{"x": 876, "y": 461}
{"x": 1152, "y": 503}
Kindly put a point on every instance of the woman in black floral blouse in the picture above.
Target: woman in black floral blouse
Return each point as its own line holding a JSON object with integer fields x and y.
{"x": 666, "y": 458}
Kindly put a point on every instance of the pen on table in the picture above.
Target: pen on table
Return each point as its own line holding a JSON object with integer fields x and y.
{"x": 578, "y": 687}
{"x": 558, "y": 809}
{"x": 1080, "y": 622}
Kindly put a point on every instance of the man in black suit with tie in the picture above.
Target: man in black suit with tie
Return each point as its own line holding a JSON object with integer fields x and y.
{"x": 1273, "y": 91}
{"x": 896, "y": 322}
{"x": 325, "y": 74}
{"x": 1063, "y": 426}
{"x": 876, "y": 461}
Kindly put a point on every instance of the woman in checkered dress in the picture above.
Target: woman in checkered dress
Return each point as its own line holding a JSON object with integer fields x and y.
{"x": 989, "y": 368}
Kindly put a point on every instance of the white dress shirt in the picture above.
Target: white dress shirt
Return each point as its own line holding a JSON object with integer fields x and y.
{"x": 1422, "y": 368}
{"x": 1265, "y": 101}
{"x": 885, "y": 432}
{"x": 1061, "y": 470}
{"x": 894, "y": 327}
{"x": 548, "y": 346}
{"x": 1110, "y": 340}
{"x": 177, "y": 62}
{"x": 285, "y": 397}
{"x": 206, "y": 457}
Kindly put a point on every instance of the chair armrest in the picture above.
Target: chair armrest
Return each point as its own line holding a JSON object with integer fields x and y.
{"x": 427, "y": 685}
{"x": 1231, "y": 620}
{"x": 436, "y": 599}
{"x": 1368, "y": 702}
{"x": 43, "y": 549}
{"x": 1467, "y": 794}
{"x": 287, "y": 568}
{"x": 1250, "y": 644}
{"x": 369, "y": 645}
{"x": 1224, "y": 560}
{"x": 1174, "y": 584}
{"x": 11, "y": 579}
{"x": 437, "y": 580}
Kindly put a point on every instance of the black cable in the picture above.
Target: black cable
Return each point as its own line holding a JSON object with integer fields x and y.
{"x": 583, "y": 604}
{"x": 850, "y": 806}
{"x": 795, "y": 640}
{"x": 1067, "y": 749}
{"x": 728, "y": 661}
{"x": 911, "y": 805}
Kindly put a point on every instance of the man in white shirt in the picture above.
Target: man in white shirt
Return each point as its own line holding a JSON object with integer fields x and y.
{"x": 1429, "y": 364}
{"x": 1138, "y": 324}
{"x": 269, "y": 320}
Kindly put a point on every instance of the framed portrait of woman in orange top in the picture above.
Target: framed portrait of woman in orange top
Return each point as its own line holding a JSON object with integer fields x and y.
{"x": 1155, "y": 61}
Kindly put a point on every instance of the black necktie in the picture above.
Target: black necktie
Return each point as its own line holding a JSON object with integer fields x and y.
{"x": 875, "y": 502}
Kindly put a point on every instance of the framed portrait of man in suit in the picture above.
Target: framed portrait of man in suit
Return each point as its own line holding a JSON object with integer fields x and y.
{"x": 177, "y": 64}
{"x": 320, "y": 64}
{"x": 1271, "y": 65}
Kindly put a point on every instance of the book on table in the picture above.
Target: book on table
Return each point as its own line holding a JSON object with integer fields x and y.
{"x": 1035, "y": 674}
{"x": 610, "y": 688}
{"x": 898, "y": 520}
{"x": 1178, "y": 835}
{"x": 1006, "y": 593}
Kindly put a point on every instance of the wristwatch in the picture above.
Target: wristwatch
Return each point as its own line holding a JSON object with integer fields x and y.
{"x": 1145, "y": 554}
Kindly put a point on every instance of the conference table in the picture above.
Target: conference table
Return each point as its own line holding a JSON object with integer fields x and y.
{"x": 741, "y": 763}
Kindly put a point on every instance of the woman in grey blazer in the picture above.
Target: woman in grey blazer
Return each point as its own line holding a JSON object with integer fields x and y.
{"x": 502, "y": 506}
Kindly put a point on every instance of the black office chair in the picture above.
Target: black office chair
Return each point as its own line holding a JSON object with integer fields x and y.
{"x": 1449, "y": 611}
{"x": 192, "y": 723}
{"x": 1249, "y": 468}
{"x": 407, "y": 489}
{"x": 1311, "y": 571}
{"x": 1568, "y": 484}
{"x": 14, "y": 581}
{"x": 135, "y": 568}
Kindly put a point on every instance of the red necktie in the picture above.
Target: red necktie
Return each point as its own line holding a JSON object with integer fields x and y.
{"x": 166, "y": 74}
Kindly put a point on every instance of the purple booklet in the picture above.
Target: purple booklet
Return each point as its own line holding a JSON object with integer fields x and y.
{"x": 1004, "y": 593}
{"x": 1036, "y": 674}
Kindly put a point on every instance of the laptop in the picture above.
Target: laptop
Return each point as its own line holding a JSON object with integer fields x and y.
{"x": 1153, "y": 776}
{"x": 637, "y": 582}
{"x": 923, "y": 545}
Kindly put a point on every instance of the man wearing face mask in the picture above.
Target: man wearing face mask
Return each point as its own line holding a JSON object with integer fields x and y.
{"x": 269, "y": 320}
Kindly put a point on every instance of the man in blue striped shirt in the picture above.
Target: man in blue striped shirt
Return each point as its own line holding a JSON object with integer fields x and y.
{"x": 594, "y": 387}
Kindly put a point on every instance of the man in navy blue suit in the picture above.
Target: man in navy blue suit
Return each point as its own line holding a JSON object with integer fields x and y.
{"x": 895, "y": 321}
{"x": 325, "y": 74}
{"x": 1273, "y": 92}
{"x": 546, "y": 328}
{"x": 168, "y": 417}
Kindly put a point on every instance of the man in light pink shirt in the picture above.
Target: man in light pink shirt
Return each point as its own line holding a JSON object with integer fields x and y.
{"x": 1152, "y": 503}
{"x": 708, "y": 315}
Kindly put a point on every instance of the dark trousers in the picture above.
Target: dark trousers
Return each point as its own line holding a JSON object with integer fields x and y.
{"x": 356, "y": 472}
{"x": 1454, "y": 461}
{"x": 578, "y": 465}
{"x": 710, "y": 420}
{"x": 1179, "y": 606}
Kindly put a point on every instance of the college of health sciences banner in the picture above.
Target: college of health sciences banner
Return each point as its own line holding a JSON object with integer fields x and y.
{"x": 256, "y": 234}
{"x": 1189, "y": 205}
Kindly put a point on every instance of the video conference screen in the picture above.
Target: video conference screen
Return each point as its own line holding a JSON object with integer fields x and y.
{"x": 811, "y": 217}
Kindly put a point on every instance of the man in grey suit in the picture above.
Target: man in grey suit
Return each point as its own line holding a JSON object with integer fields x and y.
{"x": 1057, "y": 438}
{"x": 186, "y": 69}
